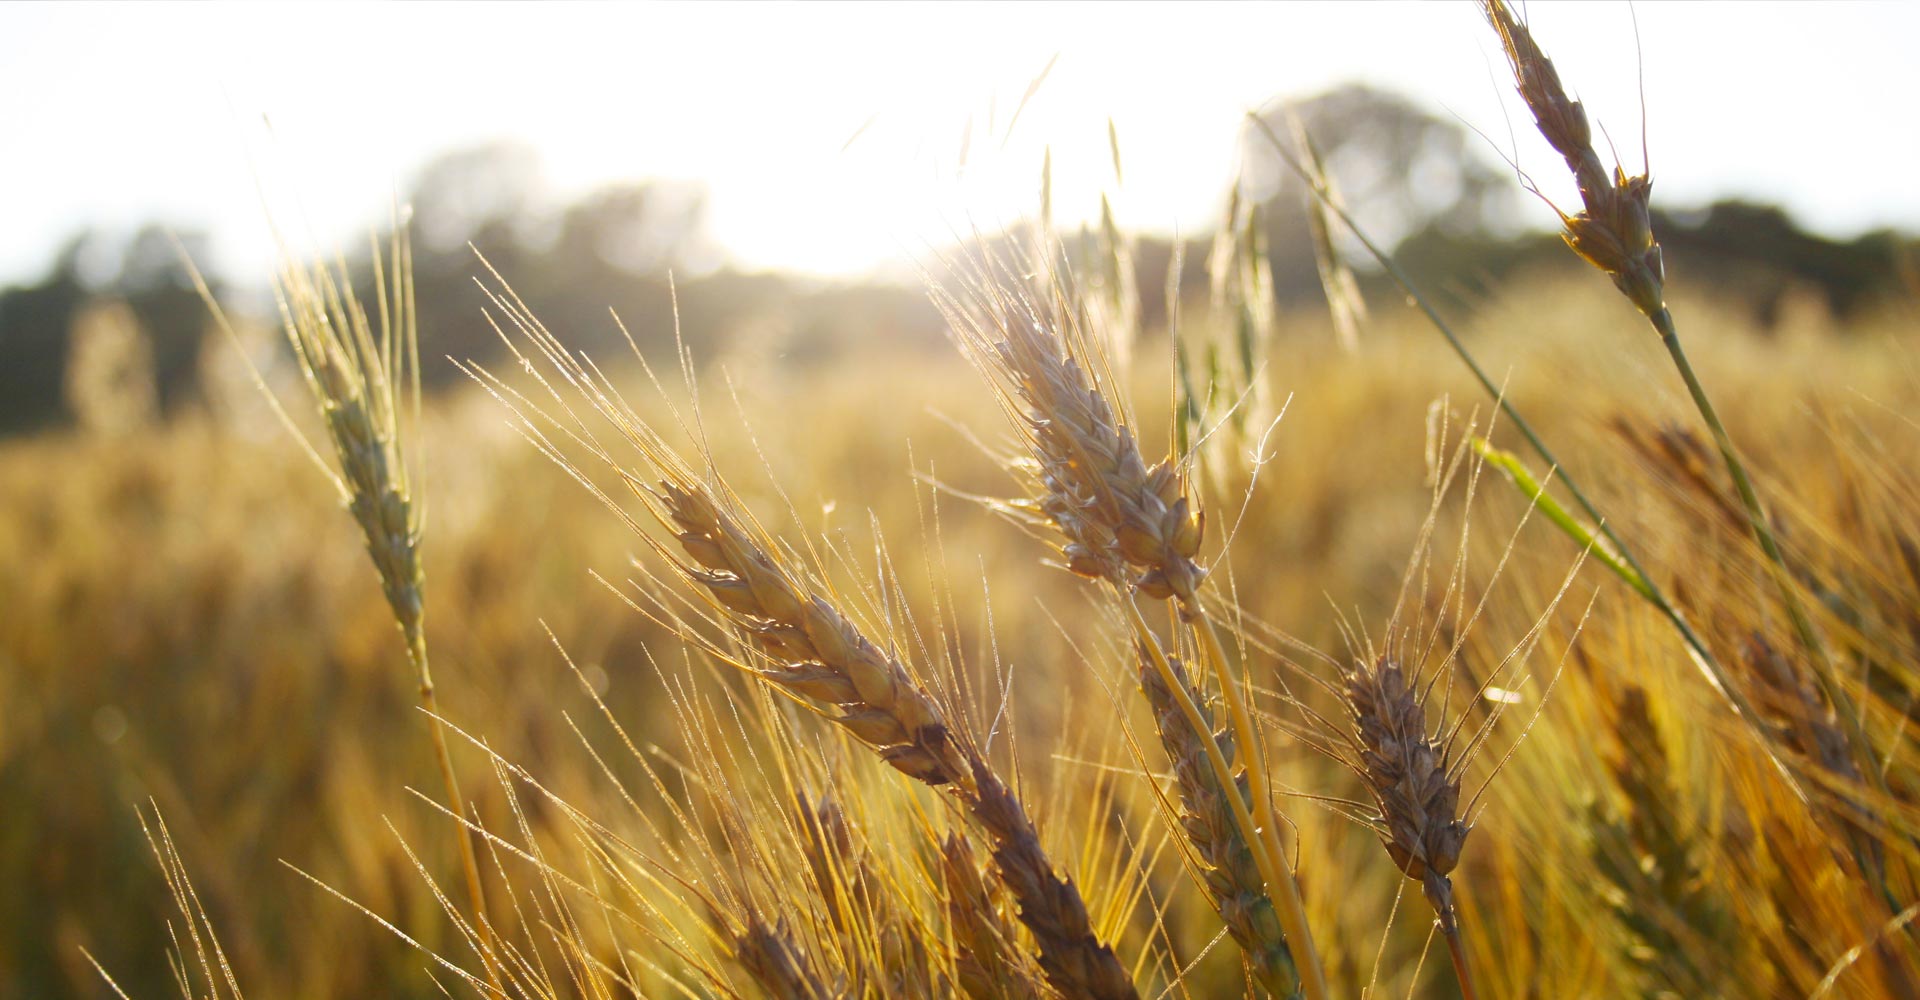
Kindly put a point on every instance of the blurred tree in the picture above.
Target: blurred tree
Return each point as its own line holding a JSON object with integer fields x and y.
{"x": 1761, "y": 254}
{"x": 1399, "y": 168}
{"x": 156, "y": 284}
{"x": 480, "y": 198}
{"x": 610, "y": 250}
{"x": 111, "y": 389}
{"x": 635, "y": 228}
{"x": 1426, "y": 187}
{"x": 482, "y": 194}
{"x": 613, "y": 250}
{"x": 35, "y": 326}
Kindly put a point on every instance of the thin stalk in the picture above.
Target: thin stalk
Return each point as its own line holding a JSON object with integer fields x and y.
{"x": 1458, "y": 953}
{"x": 1770, "y": 545}
{"x": 1550, "y": 508}
{"x": 1289, "y": 907}
{"x": 1743, "y": 484}
{"x": 476, "y": 893}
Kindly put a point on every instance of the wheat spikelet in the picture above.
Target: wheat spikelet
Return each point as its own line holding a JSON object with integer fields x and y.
{"x": 1613, "y": 230}
{"x": 777, "y": 965}
{"x": 987, "y": 963}
{"x": 1414, "y": 785}
{"x": 1229, "y": 873}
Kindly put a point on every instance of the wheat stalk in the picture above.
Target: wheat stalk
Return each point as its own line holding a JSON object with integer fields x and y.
{"x": 363, "y": 382}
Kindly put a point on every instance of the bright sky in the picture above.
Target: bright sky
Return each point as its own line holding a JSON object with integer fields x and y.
{"x": 110, "y": 115}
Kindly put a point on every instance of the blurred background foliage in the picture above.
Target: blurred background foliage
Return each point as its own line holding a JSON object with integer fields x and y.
{"x": 1419, "y": 182}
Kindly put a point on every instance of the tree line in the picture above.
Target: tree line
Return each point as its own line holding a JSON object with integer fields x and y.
{"x": 1416, "y": 179}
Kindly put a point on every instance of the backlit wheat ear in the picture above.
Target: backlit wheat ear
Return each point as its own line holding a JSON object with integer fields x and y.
{"x": 1613, "y": 231}
{"x": 1096, "y": 487}
{"x": 358, "y": 379}
{"x": 1229, "y": 871}
{"x": 777, "y": 965}
{"x": 1653, "y": 865}
{"x": 1614, "y": 234}
{"x": 812, "y": 649}
{"x": 987, "y": 961}
{"x": 815, "y": 651}
{"x": 1118, "y": 518}
{"x": 361, "y": 381}
{"x": 863, "y": 910}
{"x": 819, "y": 654}
{"x": 1414, "y": 782}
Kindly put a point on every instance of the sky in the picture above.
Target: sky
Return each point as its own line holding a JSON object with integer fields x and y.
{"x": 837, "y": 139}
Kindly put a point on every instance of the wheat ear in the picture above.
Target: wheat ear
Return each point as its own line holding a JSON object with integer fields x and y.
{"x": 1133, "y": 526}
{"x": 1614, "y": 233}
{"x": 776, "y": 964}
{"x": 1230, "y": 871}
{"x": 987, "y": 963}
{"x": 361, "y": 382}
{"x": 808, "y": 648}
{"x": 1415, "y": 786}
{"x": 861, "y": 909}
{"x": 817, "y": 653}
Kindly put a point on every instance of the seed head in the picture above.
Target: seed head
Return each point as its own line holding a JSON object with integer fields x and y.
{"x": 1414, "y": 786}
{"x": 1122, "y": 521}
{"x": 812, "y": 649}
{"x": 1613, "y": 231}
{"x": 1229, "y": 872}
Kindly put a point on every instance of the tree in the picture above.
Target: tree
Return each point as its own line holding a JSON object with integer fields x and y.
{"x": 35, "y": 327}
{"x": 1400, "y": 169}
{"x": 156, "y": 284}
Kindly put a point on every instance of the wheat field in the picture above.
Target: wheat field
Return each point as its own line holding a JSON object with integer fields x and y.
{"x": 1054, "y": 664}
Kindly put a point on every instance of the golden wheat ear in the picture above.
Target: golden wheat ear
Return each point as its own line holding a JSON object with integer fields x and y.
{"x": 1613, "y": 230}
{"x": 1137, "y": 528}
{"x": 364, "y": 378}
{"x": 1229, "y": 872}
{"x": 987, "y": 959}
{"x": 801, "y": 642}
{"x": 1415, "y": 784}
